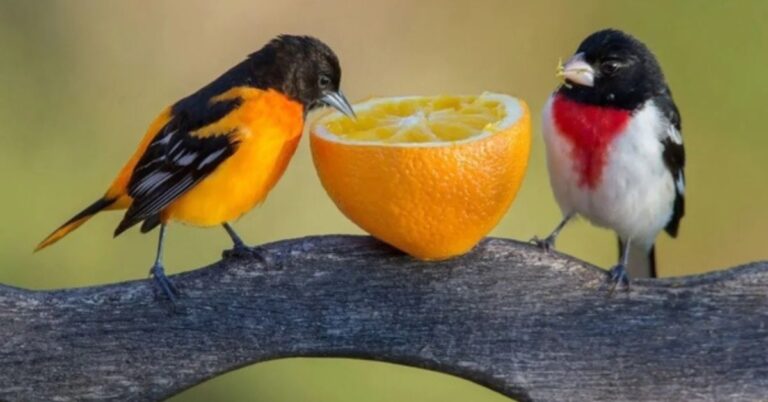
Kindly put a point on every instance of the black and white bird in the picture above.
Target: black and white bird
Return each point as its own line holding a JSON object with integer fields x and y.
{"x": 614, "y": 148}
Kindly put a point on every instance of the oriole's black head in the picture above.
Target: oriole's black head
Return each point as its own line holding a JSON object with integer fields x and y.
{"x": 612, "y": 68}
{"x": 303, "y": 68}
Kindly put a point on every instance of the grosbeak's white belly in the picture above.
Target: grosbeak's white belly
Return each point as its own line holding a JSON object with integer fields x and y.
{"x": 607, "y": 165}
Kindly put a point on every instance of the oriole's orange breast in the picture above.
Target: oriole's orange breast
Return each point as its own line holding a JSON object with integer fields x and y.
{"x": 267, "y": 126}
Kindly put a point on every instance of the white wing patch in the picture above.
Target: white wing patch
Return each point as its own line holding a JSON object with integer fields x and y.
{"x": 680, "y": 184}
{"x": 152, "y": 181}
{"x": 674, "y": 135}
{"x": 185, "y": 158}
{"x": 210, "y": 158}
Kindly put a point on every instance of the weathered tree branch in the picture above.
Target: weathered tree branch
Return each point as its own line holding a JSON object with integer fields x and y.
{"x": 531, "y": 325}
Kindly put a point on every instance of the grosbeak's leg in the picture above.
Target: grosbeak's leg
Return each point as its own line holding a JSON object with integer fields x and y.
{"x": 240, "y": 249}
{"x": 548, "y": 243}
{"x": 618, "y": 274}
{"x": 158, "y": 273}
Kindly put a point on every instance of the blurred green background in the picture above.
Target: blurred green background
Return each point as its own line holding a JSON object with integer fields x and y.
{"x": 81, "y": 80}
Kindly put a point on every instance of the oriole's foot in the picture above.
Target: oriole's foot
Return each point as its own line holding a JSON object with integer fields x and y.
{"x": 166, "y": 286}
{"x": 240, "y": 250}
{"x": 618, "y": 276}
{"x": 547, "y": 244}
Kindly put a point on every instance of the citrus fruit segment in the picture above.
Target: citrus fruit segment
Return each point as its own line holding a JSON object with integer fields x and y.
{"x": 428, "y": 175}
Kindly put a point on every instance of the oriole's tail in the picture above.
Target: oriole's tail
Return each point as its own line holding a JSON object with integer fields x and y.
{"x": 75, "y": 222}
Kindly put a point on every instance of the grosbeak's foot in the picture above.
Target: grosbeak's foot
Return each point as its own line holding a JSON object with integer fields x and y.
{"x": 243, "y": 251}
{"x": 166, "y": 286}
{"x": 547, "y": 244}
{"x": 618, "y": 276}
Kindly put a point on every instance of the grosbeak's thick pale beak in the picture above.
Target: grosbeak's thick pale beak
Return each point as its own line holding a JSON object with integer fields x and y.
{"x": 577, "y": 71}
{"x": 337, "y": 101}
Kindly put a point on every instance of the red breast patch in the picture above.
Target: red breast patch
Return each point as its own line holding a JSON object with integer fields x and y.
{"x": 590, "y": 129}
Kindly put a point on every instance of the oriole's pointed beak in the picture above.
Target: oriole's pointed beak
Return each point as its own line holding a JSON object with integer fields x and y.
{"x": 337, "y": 101}
{"x": 577, "y": 71}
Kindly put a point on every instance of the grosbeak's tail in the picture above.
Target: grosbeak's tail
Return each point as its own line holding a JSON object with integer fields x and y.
{"x": 75, "y": 222}
{"x": 641, "y": 262}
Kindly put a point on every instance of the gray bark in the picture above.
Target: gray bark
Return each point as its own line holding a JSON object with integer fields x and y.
{"x": 529, "y": 324}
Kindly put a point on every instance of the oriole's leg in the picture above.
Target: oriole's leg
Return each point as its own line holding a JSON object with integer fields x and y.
{"x": 239, "y": 244}
{"x": 240, "y": 249}
{"x": 158, "y": 273}
{"x": 619, "y": 272}
{"x": 548, "y": 243}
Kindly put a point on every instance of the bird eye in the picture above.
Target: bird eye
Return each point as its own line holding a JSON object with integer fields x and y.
{"x": 609, "y": 67}
{"x": 324, "y": 81}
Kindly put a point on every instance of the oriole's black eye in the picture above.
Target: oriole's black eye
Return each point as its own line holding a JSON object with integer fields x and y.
{"x": 609, "y": 67}
{"x": 324, "y": 81}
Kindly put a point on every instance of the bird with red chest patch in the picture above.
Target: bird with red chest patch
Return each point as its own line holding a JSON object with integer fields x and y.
{"x": 614, "y": 148}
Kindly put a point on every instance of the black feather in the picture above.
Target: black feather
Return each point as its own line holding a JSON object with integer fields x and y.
{"x": 150, "y": 223}
{"x": 92, "y": 209}
{"x": 674, "y": 159}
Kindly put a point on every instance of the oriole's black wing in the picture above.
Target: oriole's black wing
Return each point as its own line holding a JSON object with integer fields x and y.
{"x": 674, "y": 158}
{"x": 175, "y": 160}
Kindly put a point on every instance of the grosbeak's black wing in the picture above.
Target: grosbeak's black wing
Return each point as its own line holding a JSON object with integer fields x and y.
{"x": 674, "y": 157}
{"x": 176, "y": 160}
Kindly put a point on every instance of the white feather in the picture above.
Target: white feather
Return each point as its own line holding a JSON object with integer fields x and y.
{"x": 185, "y": 158}
{"x": 210, "y": 158}
{"x": 153, "y": 180}
{"x": 674, "y": 135}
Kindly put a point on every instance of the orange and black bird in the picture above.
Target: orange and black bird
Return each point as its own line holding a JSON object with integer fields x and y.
{"x": 212, "y": 156}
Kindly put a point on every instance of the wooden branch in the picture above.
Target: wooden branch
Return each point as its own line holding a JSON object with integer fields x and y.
{"x": 531, "y": 325}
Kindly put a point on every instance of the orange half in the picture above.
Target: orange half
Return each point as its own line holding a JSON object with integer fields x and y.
{"x": 428, "y": 175}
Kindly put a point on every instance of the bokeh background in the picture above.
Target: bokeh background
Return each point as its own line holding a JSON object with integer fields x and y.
{"x": 81, "y": 80}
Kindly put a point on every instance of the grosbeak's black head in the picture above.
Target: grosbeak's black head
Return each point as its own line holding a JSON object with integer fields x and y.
{"x": 303, "y": 68}
{"x": 614, "y": 69}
